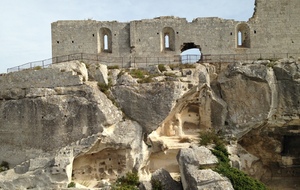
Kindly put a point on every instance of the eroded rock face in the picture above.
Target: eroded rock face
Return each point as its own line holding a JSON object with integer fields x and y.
{"x": 44, "y": 122}
{"x": 118, "y": 150}
{"x": 98, "y": 72}
{"x": 263, "y": 113}
{"x": 189, "y": 160}
{"x": 166, "y": 180}
{"x": 78, "y": 134}
{"x": 148, "y": 104}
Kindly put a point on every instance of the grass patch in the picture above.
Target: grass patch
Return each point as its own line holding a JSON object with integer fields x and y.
{"x": 157, "y": 185}
{"x": 113, "y": 67}
{"x": 162, "y": 68}
{"x": 138, "y": 73}
{"x": 182, "y": 66}
{"x": 37, "y": 68}
{"x": 145, "y": 80}
{"x": 105, "y": 87}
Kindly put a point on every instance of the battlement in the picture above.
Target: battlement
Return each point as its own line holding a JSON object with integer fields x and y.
{"x": 271, "y": 29}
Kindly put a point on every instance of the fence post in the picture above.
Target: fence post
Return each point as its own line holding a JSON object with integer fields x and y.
{"x": 122, "y": 62}
{"x": 43, "y": 64}
{"x": 146, "y": 62}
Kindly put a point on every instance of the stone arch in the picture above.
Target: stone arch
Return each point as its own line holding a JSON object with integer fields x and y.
{"x": 194, "y": 56}
{"x": 168, "y": 39}
{"x": 243, "y": 35}
{"x": 105, "y": 40}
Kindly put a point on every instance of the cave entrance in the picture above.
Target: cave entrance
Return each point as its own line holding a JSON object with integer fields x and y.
{"x": 190, "y": 53}
{"x": 291, "y": 150}
{"x": 291, "y": 146}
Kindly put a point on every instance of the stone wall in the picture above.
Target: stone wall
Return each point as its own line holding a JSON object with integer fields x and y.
{"x": 272, "y": 29}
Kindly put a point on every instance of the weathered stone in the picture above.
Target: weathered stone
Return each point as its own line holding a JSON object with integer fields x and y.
{"x": 145, "y": 185}
{"x": 118, "y": 151}
{"x": 44, "y": 78}
{"x": 126, "y": 79}
{"x": 189, "y": 160}
{"x": 197, "y": 156}
{"x": 49, "y": 134}
{"x": 153, "y": 69}
{"x": 149, "y": 104}
{"x": 167, "y": 182}
{"x": 76, "y": 67}
{"x": 98, "y": 72}
{"x": 50, "y": 122}
{"x": 245, "y": 108}
{"x": 113, "y": 75}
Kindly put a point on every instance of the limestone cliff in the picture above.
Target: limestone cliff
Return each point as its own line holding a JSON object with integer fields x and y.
{"x": 57, "y": 126}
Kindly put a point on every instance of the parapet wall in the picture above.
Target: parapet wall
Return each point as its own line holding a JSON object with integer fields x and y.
{"x": 272, "y": 29}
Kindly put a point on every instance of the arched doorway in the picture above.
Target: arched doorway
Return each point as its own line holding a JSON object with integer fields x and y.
{"x": 190, "y": 53}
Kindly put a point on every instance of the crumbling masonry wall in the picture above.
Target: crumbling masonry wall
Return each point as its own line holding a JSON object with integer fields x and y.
{"x": 272, "y": 29}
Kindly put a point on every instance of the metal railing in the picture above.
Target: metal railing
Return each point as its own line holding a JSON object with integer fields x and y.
{"x": 126, "y": 62}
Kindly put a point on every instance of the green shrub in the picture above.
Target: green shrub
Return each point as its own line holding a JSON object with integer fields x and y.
{"x": 157, "y": 185}
{"x": 71, "y": 184}
{"x": 162, "y": 68}
{"x": 113, "y": 67}
{"x": 207, "y": 137}
{"x": 4, "y": 166}
{"x": 128, "y": 182}
{"x": 239, "y": 179}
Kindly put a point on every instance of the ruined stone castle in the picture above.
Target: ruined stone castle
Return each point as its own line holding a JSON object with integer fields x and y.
{"x": 273, "y": 28}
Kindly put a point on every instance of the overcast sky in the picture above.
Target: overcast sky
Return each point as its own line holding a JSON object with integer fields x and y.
{"x": 25, "y": 25}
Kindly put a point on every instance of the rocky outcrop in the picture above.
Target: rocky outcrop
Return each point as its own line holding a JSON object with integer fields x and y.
{"x": 57, "y": 127}
{"x": 263, "y": 114}
{"x": 190, "y": 160}
{"x": 53, "y": 118}
{"x": 98, "y": 72}
{"x": 148, "y": 104}
{"x": 164, "y": 179}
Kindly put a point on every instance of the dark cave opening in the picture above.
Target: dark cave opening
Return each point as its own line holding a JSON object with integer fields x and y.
{"x": 291, "y": 146}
